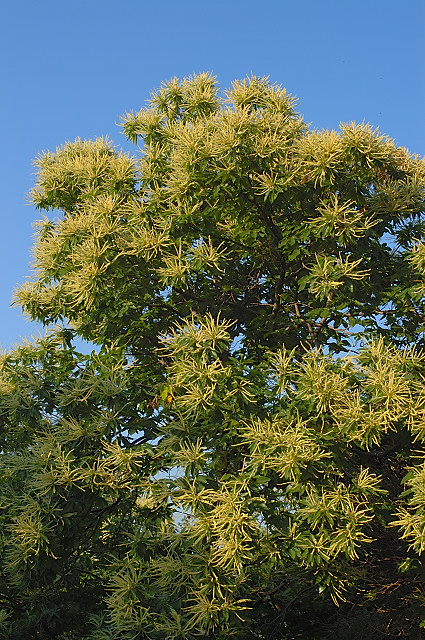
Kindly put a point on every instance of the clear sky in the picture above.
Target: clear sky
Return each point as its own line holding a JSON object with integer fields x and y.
{"x": 72, "y": 69}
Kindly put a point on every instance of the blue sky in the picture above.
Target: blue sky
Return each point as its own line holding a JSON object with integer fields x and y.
{"x": 72, "y": 69}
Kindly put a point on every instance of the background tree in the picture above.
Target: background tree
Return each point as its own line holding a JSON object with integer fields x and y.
{"x": 218, "y": 466}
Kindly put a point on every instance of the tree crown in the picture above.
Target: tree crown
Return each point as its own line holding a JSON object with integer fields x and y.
{"x": 244, "y": 447}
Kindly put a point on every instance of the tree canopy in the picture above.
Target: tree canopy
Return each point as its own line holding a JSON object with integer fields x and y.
{"x": 242, "y": 452}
